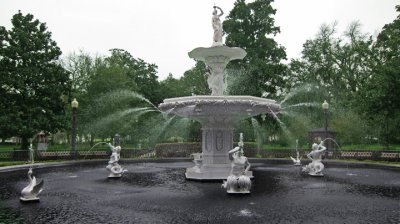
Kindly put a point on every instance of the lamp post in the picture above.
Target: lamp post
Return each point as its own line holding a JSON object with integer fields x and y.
{"x": 325, "y": 107}
{"x": 74, "y": 105}
{"x": 116, "y": 140}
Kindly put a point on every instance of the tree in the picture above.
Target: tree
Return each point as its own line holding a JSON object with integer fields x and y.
{"x": 82, "y": 67}
{"x": 32, "y": 81}
{"x": 143, "y": 74}
{"x": 380, "y": 97}
{"x": 340, "y": 66}
{"x": 250, "y": 26}
{"x": 194, "y": 80}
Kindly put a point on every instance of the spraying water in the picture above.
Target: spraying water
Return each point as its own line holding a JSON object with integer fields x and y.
{"x": 307, "y": 104}
{"x": 119, "y": 95}
{"x": 162, "y": 128}
{"x": 304, "y": 88}
{"x": 333, "y": 141}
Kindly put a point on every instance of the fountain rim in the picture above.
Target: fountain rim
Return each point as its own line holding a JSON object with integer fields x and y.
{"x": 349, "y": 164}
{"x": 219, "y": 98}
{"x": 231, "y": 53}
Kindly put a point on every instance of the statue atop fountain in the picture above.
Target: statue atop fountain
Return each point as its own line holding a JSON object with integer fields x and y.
{"x": 217, "y": 113}
{"x": 31, "y": 192}
{"x": 316, "y": 167}
{"x": 238, "y": 182}
{"x": 217, "y": 26}
{"x": 217, "y": 56}
{"x": 115, "y": 169}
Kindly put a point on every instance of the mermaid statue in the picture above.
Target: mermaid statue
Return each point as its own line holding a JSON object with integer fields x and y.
{"x": 115, "y": 169}
{"x": 238, "y": 182}
{"x": 316, "y": 167}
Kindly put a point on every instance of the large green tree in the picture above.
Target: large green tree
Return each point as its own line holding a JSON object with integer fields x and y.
{"x": 143, "y": 74}
{"x": 339, "y": 65}
{"x": 380, "y": 97}
{"x": 251, "y": 27}
{"x": 32, "y": 81}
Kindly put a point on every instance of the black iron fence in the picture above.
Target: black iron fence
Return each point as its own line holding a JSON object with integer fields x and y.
{"x": 185, "y": 150}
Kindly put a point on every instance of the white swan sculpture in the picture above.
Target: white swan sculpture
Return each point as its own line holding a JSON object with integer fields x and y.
{"x": 297, "y": 161}
{"x": 31, "y": 192}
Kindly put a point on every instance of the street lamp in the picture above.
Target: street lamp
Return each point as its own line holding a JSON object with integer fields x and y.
{"x": 325, "y": 107}
{"x": 116, "y": 140}
{"x": 74, "y": 105}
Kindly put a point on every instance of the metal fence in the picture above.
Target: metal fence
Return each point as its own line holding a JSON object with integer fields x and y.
{"x": 186, "y": 151}
{"x": 23, "y": 155}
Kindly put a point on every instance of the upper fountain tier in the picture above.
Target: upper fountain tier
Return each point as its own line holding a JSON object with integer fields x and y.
{"x": 216, "y": 58}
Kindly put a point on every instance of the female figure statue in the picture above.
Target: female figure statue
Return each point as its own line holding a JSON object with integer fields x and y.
{"x": 217, "y": 26}
{"x": 316, "y": 167}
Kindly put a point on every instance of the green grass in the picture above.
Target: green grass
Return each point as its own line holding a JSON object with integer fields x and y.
{"x": 370, "y": 147}
{"x": 13, "y": 163}
{"x": 367, "y": 161}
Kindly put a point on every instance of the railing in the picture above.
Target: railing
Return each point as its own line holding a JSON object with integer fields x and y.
{"x": 23, "y": 155}
{"x": 175, "y": 151}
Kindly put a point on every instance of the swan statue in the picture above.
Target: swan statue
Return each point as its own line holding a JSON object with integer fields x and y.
{"x": 297, "y": 161}
{"x": 31, "y": 192}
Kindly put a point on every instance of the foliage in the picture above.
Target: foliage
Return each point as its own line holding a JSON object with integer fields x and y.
{"x": 250, "y": 26}
{"x": 33, "y": 84}
{"x": 113, "y": 92}
{"x": 349, "y": 127}
{"x": 340, "y": 66}
{"x": 380, "y": 97}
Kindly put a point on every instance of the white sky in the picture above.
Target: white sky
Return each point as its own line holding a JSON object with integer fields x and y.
{"x": 164, "y": 31}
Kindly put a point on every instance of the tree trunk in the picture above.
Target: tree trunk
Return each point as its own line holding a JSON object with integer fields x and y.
{"x": 24, "y": 143}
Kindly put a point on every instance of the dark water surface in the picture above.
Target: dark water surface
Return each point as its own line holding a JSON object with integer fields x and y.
{"x": 157, "y": 192}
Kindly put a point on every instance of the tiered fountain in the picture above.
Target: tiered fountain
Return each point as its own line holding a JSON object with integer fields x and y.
{"x": 217, "y": 113}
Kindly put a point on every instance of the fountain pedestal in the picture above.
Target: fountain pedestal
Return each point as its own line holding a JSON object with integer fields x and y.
{"x": 216, "y": 142}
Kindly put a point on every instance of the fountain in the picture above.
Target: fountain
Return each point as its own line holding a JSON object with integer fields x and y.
{"x": 217, "y": 113}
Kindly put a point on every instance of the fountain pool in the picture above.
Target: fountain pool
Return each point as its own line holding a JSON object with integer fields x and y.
{"x": 156, "y": 191}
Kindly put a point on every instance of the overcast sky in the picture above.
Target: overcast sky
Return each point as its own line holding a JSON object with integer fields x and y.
{"x": 164, "y": 31}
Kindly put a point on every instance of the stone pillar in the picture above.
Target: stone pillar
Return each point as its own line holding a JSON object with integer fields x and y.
{"x": 216, "y": 142}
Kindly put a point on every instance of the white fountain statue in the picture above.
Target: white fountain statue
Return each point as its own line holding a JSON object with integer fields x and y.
{"x": 217, "y": 26}
{"x": 316, "y": 167}
{"x": 297, "y": 161}
{"x": 217, "y": 113}
{"x": 238, "y": 182}
{"x": 31, "y": 192}
{"x": 115, "y": 169}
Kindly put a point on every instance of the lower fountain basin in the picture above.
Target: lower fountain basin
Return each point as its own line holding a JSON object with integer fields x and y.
{"x": 219, "y": 108}
{"x": 156, "y": 191}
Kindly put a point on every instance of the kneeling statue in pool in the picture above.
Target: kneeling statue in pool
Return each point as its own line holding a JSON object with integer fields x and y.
{"x": 316, "y": 167}
{"x": 115, "y": 169}
{"x": 238, "y": 182}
